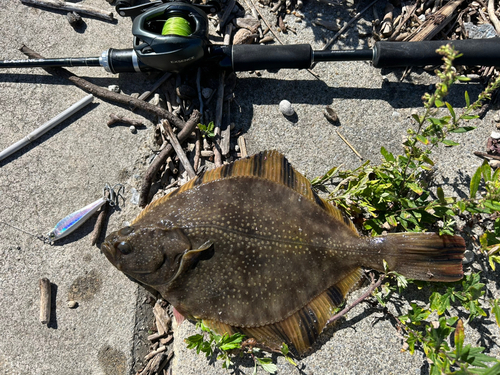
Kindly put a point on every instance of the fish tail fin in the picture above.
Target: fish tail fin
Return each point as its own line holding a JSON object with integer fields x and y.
{"x": 421, "y": 256}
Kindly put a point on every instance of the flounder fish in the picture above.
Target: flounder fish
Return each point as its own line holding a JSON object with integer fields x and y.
{"x": 250, "y": 247}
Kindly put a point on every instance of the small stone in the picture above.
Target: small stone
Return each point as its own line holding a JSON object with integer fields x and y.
{"x": 132, "y": 129}
{"x": 74, "y": 19}
{"x": 495, "y": 135}
{"x": 468, "y": 257}
{"x": 286, "y": 108}
{"x": 494, "y": 163}
{"x": 72, "y": 304}
{"x": 330, "y": 114}
{"x": 236, "y": 148}
{"x": 243, "y": 36}
{"x": 385, "y": 79}
{"x": 496, "y": 117}
{"x": 114, "y": 88}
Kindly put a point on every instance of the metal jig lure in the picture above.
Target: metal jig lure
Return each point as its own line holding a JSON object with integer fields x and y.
{"x": 77, "y": 218}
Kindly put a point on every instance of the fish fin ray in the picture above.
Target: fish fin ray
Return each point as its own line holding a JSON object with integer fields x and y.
{"x": 270, "y": 165}
{"x": 423, "y": 256}
{"x": 302, "y": 328}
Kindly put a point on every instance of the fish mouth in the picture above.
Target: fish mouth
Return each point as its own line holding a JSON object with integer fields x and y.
{"x": 110, "y": 252}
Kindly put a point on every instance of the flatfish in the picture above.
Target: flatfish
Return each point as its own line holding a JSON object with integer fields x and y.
{"x": 250, "y": 247}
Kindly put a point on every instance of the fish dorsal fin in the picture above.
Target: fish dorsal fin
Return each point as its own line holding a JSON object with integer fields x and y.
{"x": 303, "y": 327}
{"x": 269, "y": 165}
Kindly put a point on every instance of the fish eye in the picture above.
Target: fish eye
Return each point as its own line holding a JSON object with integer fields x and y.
{"x": 125, "y": 231}
{"x": 124, "y": 247}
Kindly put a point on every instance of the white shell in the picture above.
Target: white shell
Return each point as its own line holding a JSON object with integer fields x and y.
{"x": 495, "y": 135}
{"x": 286, "y": 108}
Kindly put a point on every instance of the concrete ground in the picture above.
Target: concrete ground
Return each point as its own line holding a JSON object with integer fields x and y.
{"x": 67, "y": 168}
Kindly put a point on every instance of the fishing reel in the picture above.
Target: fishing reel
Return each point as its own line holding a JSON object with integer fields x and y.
{"x": 171, "y": 36}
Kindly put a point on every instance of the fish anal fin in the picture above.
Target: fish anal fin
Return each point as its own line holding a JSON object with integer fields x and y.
{"x": 302, "y": 328}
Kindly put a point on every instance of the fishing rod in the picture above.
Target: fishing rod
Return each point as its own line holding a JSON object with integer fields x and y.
{"x": 174, "y": 36}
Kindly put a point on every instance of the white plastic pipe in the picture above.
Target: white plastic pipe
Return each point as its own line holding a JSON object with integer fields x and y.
{"x": 47, "y": 126}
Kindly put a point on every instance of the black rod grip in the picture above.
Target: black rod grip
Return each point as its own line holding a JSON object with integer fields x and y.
{"x": 400, "y": 54}
{"x": 247, "y": 57}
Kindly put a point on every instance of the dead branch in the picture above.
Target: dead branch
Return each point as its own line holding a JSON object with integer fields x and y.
{"x": 162, "y": 157}
{"x": 435, "y": 23}
{"x": 72, "y": 7}
{"x": 374, "y": 285}
{"x": 178, "y": 149}
{"x": 493, "y": 18}
{"x": 45, "y": 300}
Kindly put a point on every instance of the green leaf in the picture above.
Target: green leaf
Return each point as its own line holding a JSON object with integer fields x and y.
{"x": 449, "y": 143}
{"x": 387, "y": 155}
{"x": 459, "y": 337}
{"x": 463, "y": 129}
{"x": 267, "y": 364}
{"x": 416, "y": 188}
{"x": 469, "y": 117}
{"x": 418, "y": 118}
{"x": 494, "y": 205}
{"x": 467, "y": 99}
{"x": 474, "y": 183}
{"x": 440, "y": 194}
{"x": 496, "y": 310}
{"x": 422, "y": 139}
{"x": 450, "y": 109}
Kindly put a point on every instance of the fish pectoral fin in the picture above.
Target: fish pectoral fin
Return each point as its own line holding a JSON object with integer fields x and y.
{"x": 190, "y": 258}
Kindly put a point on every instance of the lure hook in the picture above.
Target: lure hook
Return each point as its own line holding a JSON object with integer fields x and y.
{"x": 111, "y": 195}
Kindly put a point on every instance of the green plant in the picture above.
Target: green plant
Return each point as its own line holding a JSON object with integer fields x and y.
{"x": 207, "y": 130}
{"x": 226, "y": 347}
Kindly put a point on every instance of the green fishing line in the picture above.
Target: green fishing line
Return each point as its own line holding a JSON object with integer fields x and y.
{"x": 176, "y": 26}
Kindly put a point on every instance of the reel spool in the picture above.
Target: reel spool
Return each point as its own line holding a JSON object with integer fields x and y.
{"x": 171, "y": 36}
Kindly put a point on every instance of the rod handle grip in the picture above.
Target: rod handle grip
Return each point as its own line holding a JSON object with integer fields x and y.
{"x": 400, "y": 54}
{"x": 247, "y": 57}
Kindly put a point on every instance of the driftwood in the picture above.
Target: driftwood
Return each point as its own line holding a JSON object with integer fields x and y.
{"x": 162, "y": 157}
{"x": 72, "y": 7}
{"x": 45, "y": 299}
{"x": 178, "y": 149}
{"x": 374, "y": 285}
{"x": 435, "y": 23}
{"x": 243, "y": 146}
{"x": 387, "y": 27}
{"x": 105, "y": 94}
{"x": 113, "y": 119}
{"x": 493, "y": 17}
{"x": 99, "y": 224}
{"x": 218, "y": 119}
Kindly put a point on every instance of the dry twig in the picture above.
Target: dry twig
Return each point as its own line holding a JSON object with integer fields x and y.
{"x": 374, "y": 285}
{"x": 178, "y": 149}
{"x": 350, "y": 146}
{"x": 72, "y": 7}
{"x": 45, "y": 299}
{"x": 162, "y": 157}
